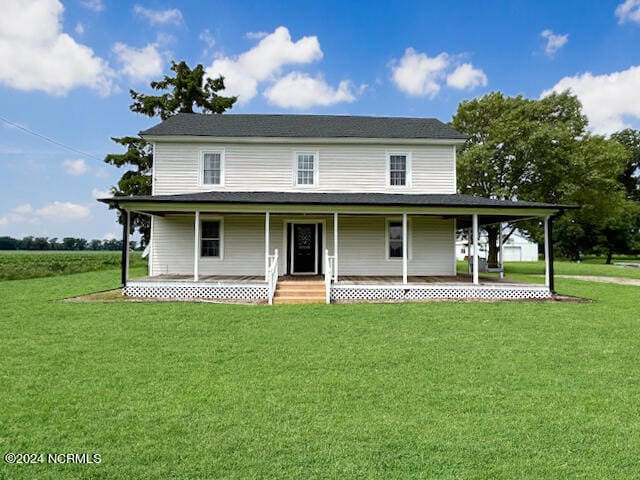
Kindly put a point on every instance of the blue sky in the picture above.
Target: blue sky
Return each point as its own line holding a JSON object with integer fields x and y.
{"x": 67, "y": 67}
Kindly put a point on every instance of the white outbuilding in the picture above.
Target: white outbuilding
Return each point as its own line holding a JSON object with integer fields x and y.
{"x": 518, "y": 248}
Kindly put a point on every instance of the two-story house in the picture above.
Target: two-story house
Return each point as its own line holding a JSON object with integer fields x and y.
{"x": 248, "y": 207}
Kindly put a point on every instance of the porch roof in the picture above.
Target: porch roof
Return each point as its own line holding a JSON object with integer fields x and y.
{"x": 342, "y": 199}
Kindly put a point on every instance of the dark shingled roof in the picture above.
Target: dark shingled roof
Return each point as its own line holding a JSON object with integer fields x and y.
{"x": 316, "y": 198}
{"x": 303, "y": 126}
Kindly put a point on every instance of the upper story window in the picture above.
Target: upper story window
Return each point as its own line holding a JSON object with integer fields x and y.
{"x": 399, "y": 169}
{"x": 306, "y": 169}
{"x": 212, "y": 168}
{"x": 211, "y": 239}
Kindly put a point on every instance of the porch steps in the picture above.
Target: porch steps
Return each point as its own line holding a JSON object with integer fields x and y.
{"x": 291, "y": 291}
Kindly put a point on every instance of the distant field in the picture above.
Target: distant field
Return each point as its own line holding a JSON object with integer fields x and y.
{"x": 19, "y": 265}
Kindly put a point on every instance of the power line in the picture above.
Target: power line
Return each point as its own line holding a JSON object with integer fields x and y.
{"x": 50, "y": 140}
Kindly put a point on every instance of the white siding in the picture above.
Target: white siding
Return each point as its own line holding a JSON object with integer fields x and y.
{"x": 361, "y": 245}
{"x": 269, "y": 167}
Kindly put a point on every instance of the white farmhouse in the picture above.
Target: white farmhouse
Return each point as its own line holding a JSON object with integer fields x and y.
{"x": 308, "y": 207}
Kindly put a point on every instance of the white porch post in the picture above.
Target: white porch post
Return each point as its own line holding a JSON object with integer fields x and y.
{"x": 476, "y": 277}
{"x": 335, "y": 246}
{"x": 196, "y": 247}
{"x": 127, "y": 246}
{"x": 500, "y": 250}
{"x": 547, "y": 271}
{"x": 266, "y": 247}
{"x": 404, "y": 248}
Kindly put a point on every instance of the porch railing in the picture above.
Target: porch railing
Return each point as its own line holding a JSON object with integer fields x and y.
{"x": 272, "y": 275}
{"x": 329, "y": 263}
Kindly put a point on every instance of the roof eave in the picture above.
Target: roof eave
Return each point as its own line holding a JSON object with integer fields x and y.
{"x": 299, "y": 140}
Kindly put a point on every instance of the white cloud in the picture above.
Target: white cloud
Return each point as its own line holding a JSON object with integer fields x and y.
{"x": 606, "y": 99}
{"x": 554, "y": 41}
{"x": 94, "y": 5}
{"x": 299, "y": 90}
{"x": 20, "y": 214}
{"x": 56, "y": 212}
{"x": 256, "y": 35}
{"x": 243, "y": 72}
{"x": 172, "y": 16}
{"x": 629, "y": 11}
{"x": 36, "y": 54}
{"x": 23, "y": 209}
{"x": 103, "y": 172}
{"x": 75, "y": 167}
{"x": 79, "y": 28}
{"x": 466, "y": 76}
{"x": 64, "y": 212}
{"x": 109, "y": 236}
{"x": 418, "y": 74}
{"x": 208, "y": 39}
{"x": 96, "y": 193}
{"x": 139, "y": 64}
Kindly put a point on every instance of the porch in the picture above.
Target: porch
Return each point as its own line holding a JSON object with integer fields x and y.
{"x": 373, "y": 247}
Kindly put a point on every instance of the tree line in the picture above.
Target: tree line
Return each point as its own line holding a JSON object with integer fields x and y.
{"x": 66, "y": 244}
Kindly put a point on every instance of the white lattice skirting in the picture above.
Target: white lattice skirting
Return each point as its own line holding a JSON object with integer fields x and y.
{"x": 251, "y": 293}
{"x": 437, "y": 292}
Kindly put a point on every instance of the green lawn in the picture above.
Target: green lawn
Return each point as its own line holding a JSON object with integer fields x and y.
{"x": 563, "y": 267}
{"x": 434, "y": 390}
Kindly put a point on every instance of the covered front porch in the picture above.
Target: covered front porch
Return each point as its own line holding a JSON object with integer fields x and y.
{"x": 363, "y": 247}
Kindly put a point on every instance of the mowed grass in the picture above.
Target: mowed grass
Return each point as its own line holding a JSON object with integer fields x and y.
{"x": 18, "y": 265}
{"x": 433, "y": 390}
{"x": 595, "y": 267}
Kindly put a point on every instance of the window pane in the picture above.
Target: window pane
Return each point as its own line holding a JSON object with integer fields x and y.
{"x": 397, "y": 169}
{"x": 210, "y": 230}
{"x": 305, "y": 169}
{"x": 210, "y": 248}
{"x": 211, "y": 168}
{"x": 395, "y": 231}
{"x": 398, "y": 178}
{"x": 395, "y": 249}
{"x": 395, "y": 239}
{"x": 212, "y": 161}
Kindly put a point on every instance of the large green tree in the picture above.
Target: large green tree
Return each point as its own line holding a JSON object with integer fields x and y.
{"x": 630, "y": 177}
{"x": 593, "y": 183}
{"x": 186, "y": 91}
{"x": 518, "y": 148}
{"x": 539, "y": 150}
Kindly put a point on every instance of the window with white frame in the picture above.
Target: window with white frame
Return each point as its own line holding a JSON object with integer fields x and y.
{"x": 398, "y": 170}
{"x": 210, "y": 239}
{"x": 306, "y": 167}
{"x": 395, "y": 239}
{"x": 212, "y": 168}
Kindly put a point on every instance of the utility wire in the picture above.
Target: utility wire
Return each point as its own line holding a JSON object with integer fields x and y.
{"x": 50, "y": 140}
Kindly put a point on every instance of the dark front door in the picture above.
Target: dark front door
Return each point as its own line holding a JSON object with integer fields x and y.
{"x": 304, "y": 247}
